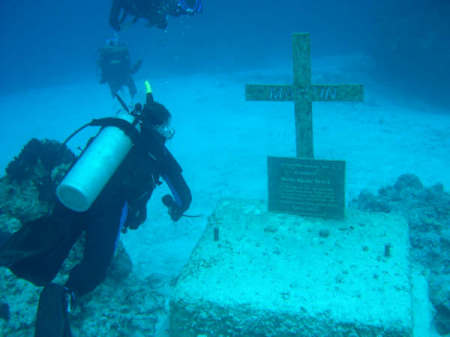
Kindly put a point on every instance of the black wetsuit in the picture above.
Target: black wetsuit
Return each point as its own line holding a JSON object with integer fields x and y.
{"x": 121, "y": 203}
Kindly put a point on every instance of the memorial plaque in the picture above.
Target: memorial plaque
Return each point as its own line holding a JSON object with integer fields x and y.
{"x": 307, "y": 187}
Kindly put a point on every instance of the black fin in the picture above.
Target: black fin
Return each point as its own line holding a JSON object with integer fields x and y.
{"x": 52, "y": 319}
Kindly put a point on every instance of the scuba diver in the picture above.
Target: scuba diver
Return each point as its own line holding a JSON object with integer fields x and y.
{"x": 37, "y": 250}
{"x": 115, "y": 67}
{"x": 156, "y": 12}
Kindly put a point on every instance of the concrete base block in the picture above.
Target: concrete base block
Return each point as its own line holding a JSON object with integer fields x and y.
{"x": 255, "y": 273}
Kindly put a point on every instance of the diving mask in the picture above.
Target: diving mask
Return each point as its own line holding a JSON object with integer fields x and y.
{"x": 165, "y": 130}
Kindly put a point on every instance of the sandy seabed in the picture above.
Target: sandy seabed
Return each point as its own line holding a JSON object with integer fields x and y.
{"x": 223, "y": 142}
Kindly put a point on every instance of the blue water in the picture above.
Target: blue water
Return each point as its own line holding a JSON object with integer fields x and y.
{"x": 51, "y": 42}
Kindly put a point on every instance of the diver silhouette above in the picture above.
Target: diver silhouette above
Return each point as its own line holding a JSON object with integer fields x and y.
{"x": 115, "y": 66}
{"x": 156, "y": 12}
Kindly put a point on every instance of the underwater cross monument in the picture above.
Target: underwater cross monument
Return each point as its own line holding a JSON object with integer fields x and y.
{"x": 303, "y": 185}
{"x": 258, "y": 272}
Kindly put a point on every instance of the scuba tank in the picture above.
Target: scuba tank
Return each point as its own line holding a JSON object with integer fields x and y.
{"x": 100, "y": 160}
{"x": 86, "y": 179}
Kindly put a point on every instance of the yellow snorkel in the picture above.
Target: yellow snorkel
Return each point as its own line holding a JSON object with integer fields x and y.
{"x": 148, "y": 92}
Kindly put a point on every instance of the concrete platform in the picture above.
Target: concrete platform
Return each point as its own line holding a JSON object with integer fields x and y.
{"x": 283, "y": 275}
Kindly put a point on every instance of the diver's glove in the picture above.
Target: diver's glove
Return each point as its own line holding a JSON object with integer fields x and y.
{"x": 137, "y": 212}
{"x": 175, "y": 212}
{"x": 136, "y": 216}
{"x": 136, "y": 67}
{"x": 115, "y": 24}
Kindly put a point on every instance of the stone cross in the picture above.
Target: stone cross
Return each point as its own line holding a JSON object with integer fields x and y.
{"x": 303, "y": 93}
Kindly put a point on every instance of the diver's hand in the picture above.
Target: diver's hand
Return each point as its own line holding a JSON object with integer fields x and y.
{"x": 174, "y": 211}
{"x": 115, "y": 24}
